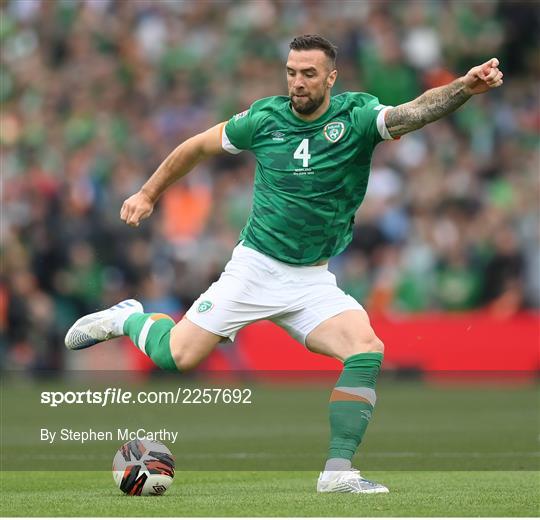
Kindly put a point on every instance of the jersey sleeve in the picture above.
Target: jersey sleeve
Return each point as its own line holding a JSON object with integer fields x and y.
{"x": 238, "y": 132}
{"x": 368, "y": 120}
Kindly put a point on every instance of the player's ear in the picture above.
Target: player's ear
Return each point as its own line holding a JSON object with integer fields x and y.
{"x": 331, "y": 78}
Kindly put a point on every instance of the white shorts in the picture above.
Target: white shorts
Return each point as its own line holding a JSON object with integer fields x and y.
{"x": 257, "y": 287}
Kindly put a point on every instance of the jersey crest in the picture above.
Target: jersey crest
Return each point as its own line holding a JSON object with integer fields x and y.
{"x": 334, "y": 131}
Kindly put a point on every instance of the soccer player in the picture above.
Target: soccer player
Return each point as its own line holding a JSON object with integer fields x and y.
{"x": 313, "y": 155}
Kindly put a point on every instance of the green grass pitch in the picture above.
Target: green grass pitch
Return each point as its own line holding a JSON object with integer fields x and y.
{"x": 465, "y": 450}
{"x": 216, "y": 493}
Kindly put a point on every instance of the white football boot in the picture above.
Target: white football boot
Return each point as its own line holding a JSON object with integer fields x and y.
{"x": 101, "y": 326}
{"x": 349, "y": 481}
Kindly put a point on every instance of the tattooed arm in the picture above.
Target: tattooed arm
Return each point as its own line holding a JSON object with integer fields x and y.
{"x": 438, "y": 102}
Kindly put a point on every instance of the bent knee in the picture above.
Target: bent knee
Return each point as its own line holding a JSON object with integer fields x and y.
{"x": 190, "y": 345}
{"x": 183, "y": 358}
{"x": 184, "y": 354}
{"x": 372, "y": 344}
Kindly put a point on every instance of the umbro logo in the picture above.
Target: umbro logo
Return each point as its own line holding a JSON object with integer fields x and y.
{"x": 366, "y": 414}
{"x": 278, "y": 136}
{"x": 159, "y": 489}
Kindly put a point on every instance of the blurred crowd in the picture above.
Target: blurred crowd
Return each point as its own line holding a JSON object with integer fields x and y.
{"x": 96, "y": 93}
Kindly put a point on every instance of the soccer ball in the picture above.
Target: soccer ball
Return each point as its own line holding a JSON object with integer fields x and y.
{"x": 143, "y": 467}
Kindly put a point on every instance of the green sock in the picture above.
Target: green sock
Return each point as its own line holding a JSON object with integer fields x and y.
{"x": 352, "y": 402}
{"x": 151, "y": 333}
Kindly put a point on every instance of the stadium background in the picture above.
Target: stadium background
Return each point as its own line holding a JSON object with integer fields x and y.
{"x": 96, "y": 93}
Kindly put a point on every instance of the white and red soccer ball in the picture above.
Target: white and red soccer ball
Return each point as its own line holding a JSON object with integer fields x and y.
{"x": 143, "y": 467}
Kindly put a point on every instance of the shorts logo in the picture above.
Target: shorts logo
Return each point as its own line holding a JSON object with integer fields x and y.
{"x": 205, "y": 306}
{"x": 334, "y": 131}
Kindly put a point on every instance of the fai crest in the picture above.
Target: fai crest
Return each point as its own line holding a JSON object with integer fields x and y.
{"x": 333, "y": 131}
{"x": 205, "y": 306}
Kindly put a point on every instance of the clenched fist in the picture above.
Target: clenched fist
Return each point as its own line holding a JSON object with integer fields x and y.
{"x": 484, "y": 77}
{"x": 136, "y": 208}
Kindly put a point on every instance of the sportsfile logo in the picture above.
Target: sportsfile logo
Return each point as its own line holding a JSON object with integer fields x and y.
{"x": 181, "y": 395}
{"x": 102, "y": 398}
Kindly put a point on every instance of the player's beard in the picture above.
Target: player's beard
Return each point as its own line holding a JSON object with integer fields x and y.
{"x": 307, "y": 104}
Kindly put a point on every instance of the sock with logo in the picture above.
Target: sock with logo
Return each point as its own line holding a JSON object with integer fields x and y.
{"x": 351, "y": 406}
{"x": 151, "y": 333}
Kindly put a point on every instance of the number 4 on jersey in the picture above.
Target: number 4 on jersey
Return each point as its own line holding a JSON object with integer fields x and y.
{"x": 302, "y": 152}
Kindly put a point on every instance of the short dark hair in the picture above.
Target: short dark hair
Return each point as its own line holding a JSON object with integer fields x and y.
{"x": 307, "y": 42}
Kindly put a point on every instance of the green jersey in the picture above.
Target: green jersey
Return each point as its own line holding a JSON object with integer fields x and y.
{"x": 311, "y": 176}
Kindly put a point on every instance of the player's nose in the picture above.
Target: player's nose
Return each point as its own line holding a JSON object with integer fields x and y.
{"x": 298, "y": 84}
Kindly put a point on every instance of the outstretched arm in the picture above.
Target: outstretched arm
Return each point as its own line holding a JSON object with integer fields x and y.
{"x": 177, "y": 164}
{"x": 440, "y": 101}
